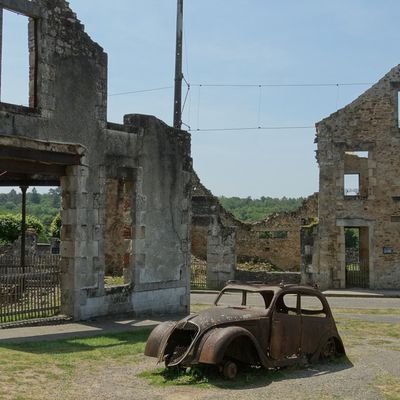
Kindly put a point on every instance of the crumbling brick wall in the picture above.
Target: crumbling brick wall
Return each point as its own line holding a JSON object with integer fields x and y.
{"x": 275, "y": 240}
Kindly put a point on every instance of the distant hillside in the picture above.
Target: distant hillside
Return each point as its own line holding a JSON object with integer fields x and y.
{"x": 251, "y": 210}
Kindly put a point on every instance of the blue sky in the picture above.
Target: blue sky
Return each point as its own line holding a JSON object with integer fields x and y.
{"x": 240, "y": 42}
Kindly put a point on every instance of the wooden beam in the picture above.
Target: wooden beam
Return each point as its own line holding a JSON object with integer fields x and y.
{"x": 31, "y": 168}
{"x": 49, "y": 157}
{"x": 14, "y": 181}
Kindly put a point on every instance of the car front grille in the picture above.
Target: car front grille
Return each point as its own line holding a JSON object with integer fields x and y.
{"x": 179, "y": 343}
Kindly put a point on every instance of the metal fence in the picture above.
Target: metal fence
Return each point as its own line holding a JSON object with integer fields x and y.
{"x": 357, "y": 274}
{"x": 31, "y": 291}
{"x": 198, "y": 278}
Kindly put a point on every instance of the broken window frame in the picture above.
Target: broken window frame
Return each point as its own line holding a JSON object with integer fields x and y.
{"x": 32, "y": 13}
{"x": 348, "y": 190}
{"x": 354, "y": 168}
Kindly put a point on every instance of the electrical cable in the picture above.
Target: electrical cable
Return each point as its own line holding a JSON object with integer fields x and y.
{"x": 141, "y": 91}
{"x": 248, "y": 85}
{"x": 251, "y": 128}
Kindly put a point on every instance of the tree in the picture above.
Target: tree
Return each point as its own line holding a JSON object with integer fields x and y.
{"x": 55, "y": 227}
{"x": 10, "y": 226}
{"x": 34, "y": 197}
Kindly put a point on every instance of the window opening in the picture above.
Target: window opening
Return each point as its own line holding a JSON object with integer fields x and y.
{"x": 255, "y": 300}
{"x": 14, "y": 58}
{"x": 351, "y": 184}
{"x": 273, "y": 235}
{"x": 311, "y": 306}
{"x": 231, "y": 298}
{"x": 118, "y": 232}
{"x": 359, "y": 154}
{"x": 287, "y": 304}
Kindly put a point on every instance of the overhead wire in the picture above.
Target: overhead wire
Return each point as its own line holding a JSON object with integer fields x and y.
{"x": 253, "y": 128}
{"x": 141, "y": 91}
{"x": 246, "y": 85}
{"x": 281, "y": 84}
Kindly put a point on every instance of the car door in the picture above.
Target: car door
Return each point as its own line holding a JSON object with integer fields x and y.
{"x": 285, "y": 327}
{"x": 314, "y": 321}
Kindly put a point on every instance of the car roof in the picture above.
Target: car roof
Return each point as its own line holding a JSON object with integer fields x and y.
{"x": 261, "y": 287}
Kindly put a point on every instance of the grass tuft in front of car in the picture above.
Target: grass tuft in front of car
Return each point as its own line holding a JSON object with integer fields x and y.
{"x": 210, "y": 377}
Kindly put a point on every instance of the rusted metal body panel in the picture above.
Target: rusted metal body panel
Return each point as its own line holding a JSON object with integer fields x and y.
{"x": 295, "y": 325}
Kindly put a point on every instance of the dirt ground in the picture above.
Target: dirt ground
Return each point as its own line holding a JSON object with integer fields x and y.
{"x": 370, "y": 371}
{"x": 367, "y": 375}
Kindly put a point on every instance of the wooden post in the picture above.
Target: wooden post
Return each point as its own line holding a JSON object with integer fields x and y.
{"x": 23, "y": 188}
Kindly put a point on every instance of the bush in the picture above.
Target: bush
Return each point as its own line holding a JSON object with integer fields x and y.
{"x": 55, "y": 226}
{"x": 10, "y": 226}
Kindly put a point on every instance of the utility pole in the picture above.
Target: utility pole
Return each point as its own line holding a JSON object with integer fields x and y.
{"x": 178, "y": 67}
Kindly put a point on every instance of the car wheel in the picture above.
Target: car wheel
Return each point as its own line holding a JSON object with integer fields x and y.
{"x": 230, "y": 370}
{"x": 328, "y": 350}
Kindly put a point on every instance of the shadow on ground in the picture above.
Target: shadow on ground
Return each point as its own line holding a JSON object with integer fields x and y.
{"x": 248, "y": 377}
{"x": 79, "y": 344}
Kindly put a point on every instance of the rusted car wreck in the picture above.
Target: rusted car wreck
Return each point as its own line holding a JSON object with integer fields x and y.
{"x": 256, "y": 324}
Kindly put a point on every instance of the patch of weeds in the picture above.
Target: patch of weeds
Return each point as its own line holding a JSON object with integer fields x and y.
{"x": 361, "y": 330}
{"x": 378, "y": 342}
{"x": 195, "y": 308}
{"x": 209, "y": 377}
{"x": 175, "y": 377}
{"x": 389, "y": 386}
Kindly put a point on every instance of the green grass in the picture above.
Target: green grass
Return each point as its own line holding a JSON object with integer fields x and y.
{"x": 210, "y": 377}
{"x": 388, "y": 385}
{"x": 30, "y": 366}
{"x": 113, "y": 280}
{"x": 359, "y": 329}
{"x": 46, "y": 362}
{"x": 367, "y": 311}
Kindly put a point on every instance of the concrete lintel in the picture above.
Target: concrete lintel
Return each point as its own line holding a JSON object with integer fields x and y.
{"x": 354, "y": 222}
{"x": 22, "y": 6}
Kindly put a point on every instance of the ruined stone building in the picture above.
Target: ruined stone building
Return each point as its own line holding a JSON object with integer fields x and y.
{"x": 125, "y": 187}
{"x": 221, "y": 239}
{"x": 359, "y": 191}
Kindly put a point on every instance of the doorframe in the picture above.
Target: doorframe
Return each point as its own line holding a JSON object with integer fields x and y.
{"x": 343, "y": 223}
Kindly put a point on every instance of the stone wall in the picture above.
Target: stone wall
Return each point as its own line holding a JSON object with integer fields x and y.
{"x": 274, "y": 278}
{"x": 275, "y": 239}
{"x": 369, "y": 124}
{"x": 125, "y": 187}
{"x": 213, "y": 235}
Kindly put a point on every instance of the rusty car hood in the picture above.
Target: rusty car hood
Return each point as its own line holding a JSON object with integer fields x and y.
{"x": 225, "y": 315}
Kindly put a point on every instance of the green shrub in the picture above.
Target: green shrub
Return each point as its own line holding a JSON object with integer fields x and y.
{"x": 55, "y": 226}
{"x": 10, "y": 226}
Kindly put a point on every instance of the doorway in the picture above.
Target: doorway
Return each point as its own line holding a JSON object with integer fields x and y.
{"x": 357, "y": 257}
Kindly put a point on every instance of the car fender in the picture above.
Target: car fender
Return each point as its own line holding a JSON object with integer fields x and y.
{"x": 214, "y": 344}
{"x": 324, "y": 338}
{"x": 157, "y": 339}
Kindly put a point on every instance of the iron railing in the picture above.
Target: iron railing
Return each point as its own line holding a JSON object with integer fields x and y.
{"x": 29, "y": 291}
{"x": 357, "y": 274}
{"x": 198, "y": 277}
